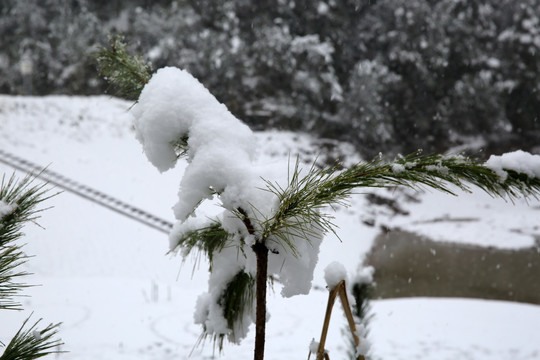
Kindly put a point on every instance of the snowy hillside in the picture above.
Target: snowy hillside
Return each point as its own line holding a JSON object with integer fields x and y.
{"x": 120, "y": 296}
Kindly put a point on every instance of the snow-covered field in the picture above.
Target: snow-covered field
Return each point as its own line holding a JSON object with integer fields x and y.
{"x": 120, "y": 296}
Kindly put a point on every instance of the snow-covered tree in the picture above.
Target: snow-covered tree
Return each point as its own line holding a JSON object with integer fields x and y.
{"x": 459, "y": 73}
{"x": 274, "y": 216}
{"x": 518, "y": 72}
{"x": 369, "y": 108}
{"x": 18, "y": 202}
{"x": 52, "y": 39}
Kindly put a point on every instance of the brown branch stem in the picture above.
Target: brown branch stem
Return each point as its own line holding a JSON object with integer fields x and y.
{"x": 261, "y": 252}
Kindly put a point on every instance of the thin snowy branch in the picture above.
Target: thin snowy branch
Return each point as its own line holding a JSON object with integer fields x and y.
{"x": 303, "y": 201}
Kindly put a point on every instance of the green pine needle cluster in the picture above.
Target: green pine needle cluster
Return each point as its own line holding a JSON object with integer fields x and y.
{"x": 303, "y": 200}
{"x": 30, "y": 343}
{"x": 208, "y": 240}
{"x": 437, "y": 171}
{"x": 125, "y": 72}
{"x": 10, "y": 259}
{"x": 237, "y": 297}
{"x": 236, "y": 300}
{"x": 25, "y": 197}
{"x": 301, "y": 203}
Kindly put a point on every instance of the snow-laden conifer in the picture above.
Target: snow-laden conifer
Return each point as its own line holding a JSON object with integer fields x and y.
{"x": 274, "y": 218}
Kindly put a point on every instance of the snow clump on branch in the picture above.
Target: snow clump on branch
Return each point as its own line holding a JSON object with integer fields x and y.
{"x": 518, "y": 161}
{"x": 175, "y": 107}
{"x": 177, "y": 116}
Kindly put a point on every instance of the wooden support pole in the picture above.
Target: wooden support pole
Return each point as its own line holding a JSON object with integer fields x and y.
{"x": 340, "y": 290}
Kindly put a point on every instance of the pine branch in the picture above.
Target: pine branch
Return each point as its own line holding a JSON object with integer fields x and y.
{"x": 237, "y": 297}
{"x": 31, "y": 343}
{"x": 300, "y": 205}
{"x": 10, "y": 259}
{"x": 236, "y": 300}
{"x": 438, "y": 171}
{"x": 127, "y": 73}
{"x": 209, "y": 240}
{"x": 303, "y": 200}
{"x": 23, "y": 197}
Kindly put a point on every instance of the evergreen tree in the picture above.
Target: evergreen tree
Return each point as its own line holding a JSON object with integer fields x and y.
{"x": 18, "y": 202}
{"x": 446, "y": 73}
{"x": 279, "y": 221}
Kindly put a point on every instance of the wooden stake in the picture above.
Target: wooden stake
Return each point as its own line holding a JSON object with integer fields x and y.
{"x": 340, "y": 290}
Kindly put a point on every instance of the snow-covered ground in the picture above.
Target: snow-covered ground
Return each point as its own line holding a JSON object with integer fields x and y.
{"x": 120, "y": 296}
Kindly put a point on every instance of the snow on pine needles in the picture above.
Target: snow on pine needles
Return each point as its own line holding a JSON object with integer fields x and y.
{"x": 177, "y": 116}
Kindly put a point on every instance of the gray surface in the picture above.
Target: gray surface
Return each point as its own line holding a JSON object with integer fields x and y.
{"x": 407, "y": 265}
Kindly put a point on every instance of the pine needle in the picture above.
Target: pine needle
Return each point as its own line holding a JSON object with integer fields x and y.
{"x": 209, "y": 240}
{"x": 10, "y": 259}
{"x": 125, "y": 72}
{"x": 25, "y": 197}
{"x": 237, "y": 299}
{"x": 31, "y": 343}
{"x": 304, "y": 202}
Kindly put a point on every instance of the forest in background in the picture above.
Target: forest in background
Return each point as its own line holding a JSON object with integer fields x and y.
{"x": 389, "y": 76}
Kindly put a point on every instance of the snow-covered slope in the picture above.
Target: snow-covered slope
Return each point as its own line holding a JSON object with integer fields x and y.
{"x": 121, "y": 296}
